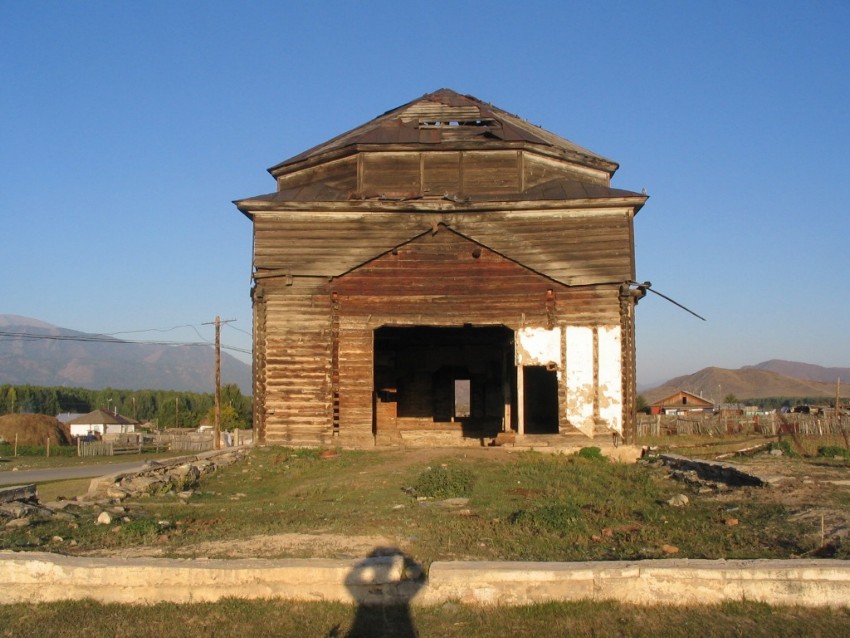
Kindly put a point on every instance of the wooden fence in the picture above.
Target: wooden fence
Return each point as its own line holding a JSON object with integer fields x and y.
{"x": 173, "y": 442}
{"x": 110, "y": 446}
{"x": 771, "y": 424}
{"x": 187, "y": 442}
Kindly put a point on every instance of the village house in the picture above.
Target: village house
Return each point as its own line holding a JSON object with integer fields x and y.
{"x": 101, "y": 422}
{"x": 681, "y": 402}
{"x": 446, "y": 270}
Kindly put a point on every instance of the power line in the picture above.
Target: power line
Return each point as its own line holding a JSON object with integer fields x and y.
{"x": 4, "y": 334}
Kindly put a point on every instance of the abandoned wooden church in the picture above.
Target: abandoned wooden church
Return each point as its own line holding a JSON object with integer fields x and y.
{"x": 445, "y": 271}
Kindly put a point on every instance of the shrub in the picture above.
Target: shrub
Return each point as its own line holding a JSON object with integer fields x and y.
{"x": 831, "y": 451}
{"x": 141, "y": 528}
{"x": 591, "y": 454}
{"x": 444, "y": 482}
{"x": 554, "y": 517}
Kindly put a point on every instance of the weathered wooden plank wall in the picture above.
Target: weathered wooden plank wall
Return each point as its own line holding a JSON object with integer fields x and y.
{"x": 298, "y": 397}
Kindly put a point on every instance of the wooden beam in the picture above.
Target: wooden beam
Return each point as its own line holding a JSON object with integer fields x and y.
{"x": 520, "y": 399}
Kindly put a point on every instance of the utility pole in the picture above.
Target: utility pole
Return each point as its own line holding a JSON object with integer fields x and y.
{"x": 217, "y": 432}
{"x": 217, "y": 409}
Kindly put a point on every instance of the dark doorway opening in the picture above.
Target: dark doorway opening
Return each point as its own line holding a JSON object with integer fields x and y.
{"x": 444, "y": 378}
{"x": 541, "y": 400}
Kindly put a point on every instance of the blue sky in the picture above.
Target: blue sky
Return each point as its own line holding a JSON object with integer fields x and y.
{"x": 128, "y": 128}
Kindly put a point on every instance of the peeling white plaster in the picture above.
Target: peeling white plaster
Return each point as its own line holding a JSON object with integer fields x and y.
{"x": 610, "y": 377}
{"x": 538, "y": 347}
{"x": 579, "y": 378}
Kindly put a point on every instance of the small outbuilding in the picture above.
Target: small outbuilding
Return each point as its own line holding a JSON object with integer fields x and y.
{"x": 445, "y": 270}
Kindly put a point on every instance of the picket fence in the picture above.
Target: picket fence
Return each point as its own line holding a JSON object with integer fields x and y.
{"x": 771, "y": 424}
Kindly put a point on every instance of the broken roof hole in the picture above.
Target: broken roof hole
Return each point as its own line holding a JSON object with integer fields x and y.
{"x": 456, "y": 123}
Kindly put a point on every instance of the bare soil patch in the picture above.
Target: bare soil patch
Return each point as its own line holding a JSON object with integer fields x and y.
{"x": 295, "y": 545}
{"x": 816, "y": 491}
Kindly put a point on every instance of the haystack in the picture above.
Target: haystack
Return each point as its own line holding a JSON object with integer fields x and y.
{"x": 33, "y": 429}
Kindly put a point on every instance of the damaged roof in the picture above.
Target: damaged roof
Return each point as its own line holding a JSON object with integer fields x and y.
{"x": 444, "y": 145}
{"x": 445, "y": 116}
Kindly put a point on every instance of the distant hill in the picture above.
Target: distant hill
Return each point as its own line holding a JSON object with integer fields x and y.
{"x": 55, "y": 356}
{"x": 807, "y": 371}
{"x": 755, "y": 382}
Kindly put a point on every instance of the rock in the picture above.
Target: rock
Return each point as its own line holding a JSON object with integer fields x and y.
{"x": 18, "y": 523}
{"x": 103, "y": 519}
{"x": 17, "y": 509}
{"x": 18, "y": 493}
{"x": 184, "y": 476}
{"x": 144, "y": 484}
{"x": 115, "y": 492}
{"x": 731, "y": 522}
{"x": 669, "y": 549}
{"x": 205, "y": 467}
{"x": 776, "y": 452}
{"x": 680, "y": 500}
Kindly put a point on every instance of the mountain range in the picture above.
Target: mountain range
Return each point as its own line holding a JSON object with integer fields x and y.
{"x": 37, "y": 353}
{"x": 774, "y": 378}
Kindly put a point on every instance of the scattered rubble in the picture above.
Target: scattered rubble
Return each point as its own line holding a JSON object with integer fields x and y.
{"x": 19, "y": 505}
{"x": 715, "y": 475}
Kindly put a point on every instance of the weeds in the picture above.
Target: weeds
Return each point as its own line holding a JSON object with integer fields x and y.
{"x": 444, "y": 482}
{"x": 833, "y": 451}
{"x": 591, "y": 454}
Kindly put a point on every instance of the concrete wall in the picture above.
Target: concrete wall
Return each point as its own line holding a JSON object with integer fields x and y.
{"x": 41, "y": 577}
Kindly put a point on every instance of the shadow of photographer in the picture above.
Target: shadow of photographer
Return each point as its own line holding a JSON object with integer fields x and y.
{"x": 383, "y": 584}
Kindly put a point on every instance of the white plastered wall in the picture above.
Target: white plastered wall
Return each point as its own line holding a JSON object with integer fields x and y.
{"x": 539, "y": 347}
{"x": 593, "y": 376}
{"x": 610, "y": 377}
{"x": 580, "y": 388}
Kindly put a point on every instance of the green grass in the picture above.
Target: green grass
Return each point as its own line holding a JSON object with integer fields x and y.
{"x": 275, "y": 618}
{"x": 523, "y": 506}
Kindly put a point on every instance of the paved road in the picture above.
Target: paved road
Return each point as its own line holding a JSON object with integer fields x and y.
{"x": 25, "y": 477}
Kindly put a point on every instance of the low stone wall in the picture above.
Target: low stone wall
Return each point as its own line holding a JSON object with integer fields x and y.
{"x": 672, "y": 582}
{"x": 41, "y": 577}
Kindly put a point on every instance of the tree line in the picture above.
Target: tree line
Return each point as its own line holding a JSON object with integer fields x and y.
{"x": 163, "y": 408}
